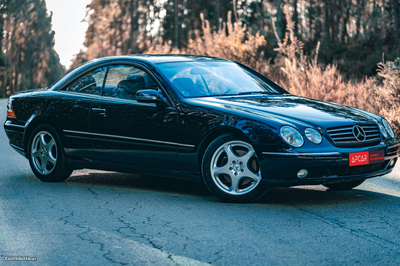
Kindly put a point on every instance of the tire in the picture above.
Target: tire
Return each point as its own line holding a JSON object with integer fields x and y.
{"x": 344, "y": 185}
{"x": 230, "y": 170}
{"x": 46, "y": 155}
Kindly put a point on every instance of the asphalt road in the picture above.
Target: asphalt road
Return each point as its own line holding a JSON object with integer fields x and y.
{"x": 102, "y": 218}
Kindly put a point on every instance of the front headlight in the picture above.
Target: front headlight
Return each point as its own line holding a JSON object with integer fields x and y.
{"x": 383, "y": 130}
{"x": 291, "y": 136}
{"x": 388, "y": 128}
{"x": 313, "y": 135}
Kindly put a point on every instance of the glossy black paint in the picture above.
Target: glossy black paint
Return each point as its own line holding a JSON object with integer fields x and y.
{"x": 169, "y": 138}
{"x": 149, "y": 123}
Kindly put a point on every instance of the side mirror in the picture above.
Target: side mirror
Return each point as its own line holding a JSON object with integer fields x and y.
{"x": 149, "y": 96}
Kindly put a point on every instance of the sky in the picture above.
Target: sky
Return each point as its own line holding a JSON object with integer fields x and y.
{"x": 68, "y": 26}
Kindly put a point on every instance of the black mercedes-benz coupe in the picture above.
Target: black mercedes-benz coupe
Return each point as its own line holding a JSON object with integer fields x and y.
{"x": 208, "y": 119}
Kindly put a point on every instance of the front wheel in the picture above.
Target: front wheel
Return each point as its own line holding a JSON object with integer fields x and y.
{"x": 231, "y": 171}
{"x": 46, "y": 155}
{"x": 344, "y": 185}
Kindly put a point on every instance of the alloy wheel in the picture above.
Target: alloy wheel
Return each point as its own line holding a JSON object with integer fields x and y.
{"x": 235, "y": 168}
{"x": 44, "y": 152}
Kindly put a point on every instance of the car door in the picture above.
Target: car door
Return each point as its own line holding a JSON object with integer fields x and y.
{"x": 71, "y": 106}
{"x": 126, "y": 131}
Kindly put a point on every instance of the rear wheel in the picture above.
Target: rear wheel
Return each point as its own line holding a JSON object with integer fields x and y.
{"x": 231, "y": 170}
{"x": 46, "y": 155}
{"x": 344, "y": 185}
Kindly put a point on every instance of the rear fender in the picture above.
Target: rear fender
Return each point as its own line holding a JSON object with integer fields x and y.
{"x": 33, "y": 122}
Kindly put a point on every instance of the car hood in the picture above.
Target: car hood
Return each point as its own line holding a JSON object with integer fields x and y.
{"x": 290, "y": 108}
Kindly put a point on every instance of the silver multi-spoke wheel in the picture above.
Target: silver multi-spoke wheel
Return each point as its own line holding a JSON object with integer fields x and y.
{"x": 234, "y": 168}
{"x": 44, "y": 152}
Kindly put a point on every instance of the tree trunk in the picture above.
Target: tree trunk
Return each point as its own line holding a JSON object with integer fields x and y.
{"x": 302, "y": 15}
{"x": 332, "y": 20}
{"x": 295, "y": 18}
{"x": 345, "y": 19}
{"x": 383, "y": 27}
{"x": 132, "y": 14}
{"x": 223, "y": 10}
{"x": 185, "y": 19}
{"x": 235, "y": 11}
{"x": 16, "y": 69}
{"x": 358, "y": 19}
{"x": 11, "y": 52}
{"x": 326, "y": 20}
{"x": 260, "y": 17}
{"x": 310, "y": 19}
{"x": 10, "y": 81}
{"x": 338, "y": 19}
{"x": 1, "y": 54}
{"x": 342, "y": 19}
{"x": 257, "y": 15}
{"x": 1, "y": 34}
{"x": 176, "y": 24}
{"x": 278, "y": 18}
{"x": 4, "y": 86}
{"x": 396, "y": 11}
{"x": 365, "y": 15}
{"x": 16, "y": 79}
{"x": 218, "y": 13}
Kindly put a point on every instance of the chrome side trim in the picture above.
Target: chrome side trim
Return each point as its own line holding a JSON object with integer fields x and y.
{"x": 8, "y": 124}
{"x": 319, "y": 154}
{"x": 129, "y": 138}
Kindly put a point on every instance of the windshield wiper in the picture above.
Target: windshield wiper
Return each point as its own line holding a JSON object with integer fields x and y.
{"x": 255, "y": 92}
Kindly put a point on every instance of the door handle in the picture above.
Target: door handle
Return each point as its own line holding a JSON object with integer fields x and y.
{"x": 99, "y": 111}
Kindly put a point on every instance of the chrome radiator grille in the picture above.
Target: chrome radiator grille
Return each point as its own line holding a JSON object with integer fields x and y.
{"x": 349, "y": 135}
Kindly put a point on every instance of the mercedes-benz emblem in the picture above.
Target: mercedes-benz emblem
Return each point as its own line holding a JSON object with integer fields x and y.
{"x": 359, "y": 133}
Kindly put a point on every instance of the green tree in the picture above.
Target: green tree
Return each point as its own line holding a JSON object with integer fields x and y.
{"x": 27, "y": 41}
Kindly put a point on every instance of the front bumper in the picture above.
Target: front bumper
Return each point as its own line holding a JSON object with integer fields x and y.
{"x": 281, "y": 168}
{"x": 15, "y": 131}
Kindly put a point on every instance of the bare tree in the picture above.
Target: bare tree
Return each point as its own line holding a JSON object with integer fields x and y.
{"x": 383, "y": 25}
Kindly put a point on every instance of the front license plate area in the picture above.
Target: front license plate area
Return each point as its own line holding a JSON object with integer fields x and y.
{"x": 366, "y": 157}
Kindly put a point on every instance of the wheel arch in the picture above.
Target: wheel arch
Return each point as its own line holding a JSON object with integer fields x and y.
{"x": 33, "y": 123}
{"x": 212, "y": 135}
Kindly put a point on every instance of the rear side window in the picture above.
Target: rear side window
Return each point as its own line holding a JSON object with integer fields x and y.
{"x": 90, "y": 83}
{"x": 124, "y": 81}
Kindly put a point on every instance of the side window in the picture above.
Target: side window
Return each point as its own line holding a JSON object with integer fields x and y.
{"x": 124, "y": 81}
{"x": 90, "y": 83}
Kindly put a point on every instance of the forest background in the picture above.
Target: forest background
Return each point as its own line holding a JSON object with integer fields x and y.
{"x": 344, "y": 51}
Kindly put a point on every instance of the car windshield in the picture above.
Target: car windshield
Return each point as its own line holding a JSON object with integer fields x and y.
{"x": 201, "y": 79}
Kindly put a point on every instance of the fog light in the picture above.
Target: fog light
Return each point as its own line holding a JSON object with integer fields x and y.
{"x": 302, "y": 173}
{"x": 392, "y": 162}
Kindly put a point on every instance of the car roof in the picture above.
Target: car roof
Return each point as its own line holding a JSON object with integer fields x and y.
{"x": 151, "y": 59}
{"x": 162, "y": 58}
